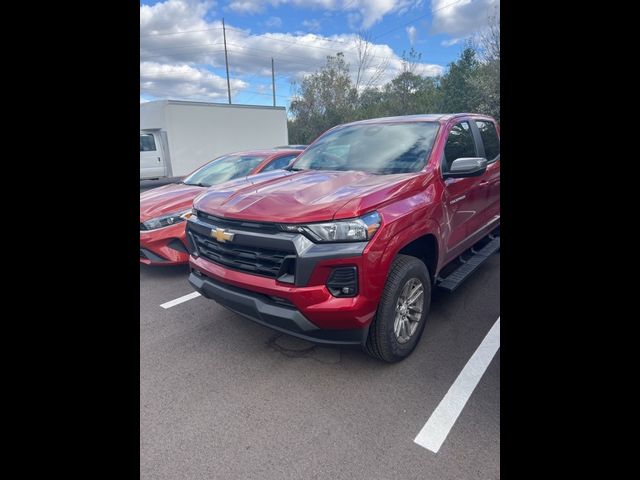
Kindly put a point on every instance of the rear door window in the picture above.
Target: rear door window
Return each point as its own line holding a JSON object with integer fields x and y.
{"x": 490, "y": 139}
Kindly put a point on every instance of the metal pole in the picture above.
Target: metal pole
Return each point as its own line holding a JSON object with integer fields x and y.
{"x": 226, "y": 60}
{"x": 273, "y": 82}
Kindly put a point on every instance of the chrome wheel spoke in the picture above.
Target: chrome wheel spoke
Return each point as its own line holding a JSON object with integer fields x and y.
{"x": 415, "y": 295}
{"x": 396, "y": 326}
{"x": 408, "y": 310}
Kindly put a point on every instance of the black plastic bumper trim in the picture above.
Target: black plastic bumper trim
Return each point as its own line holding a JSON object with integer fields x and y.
{"x": 255, "y": 307}
{"x": 177, "y": 245}
{"x": 152, "y": 256}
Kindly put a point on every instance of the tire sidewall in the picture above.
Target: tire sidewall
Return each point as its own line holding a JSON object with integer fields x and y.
{"x": 417, "y": 270}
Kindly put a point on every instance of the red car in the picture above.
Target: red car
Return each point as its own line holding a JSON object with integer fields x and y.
{"x": 163, "y": 210}
{"x": 345, "y": 246}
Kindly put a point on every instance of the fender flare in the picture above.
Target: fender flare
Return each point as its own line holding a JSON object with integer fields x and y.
{"x": 413, "y": 232}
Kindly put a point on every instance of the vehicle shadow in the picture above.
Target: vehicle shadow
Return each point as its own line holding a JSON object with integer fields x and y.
{"x": 169, "y": 271}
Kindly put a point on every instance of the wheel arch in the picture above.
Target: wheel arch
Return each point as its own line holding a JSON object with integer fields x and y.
{"x": 421, "y": 242}
{"x": 426, "y": 249}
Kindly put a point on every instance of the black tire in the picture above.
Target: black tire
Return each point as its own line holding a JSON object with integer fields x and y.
{"x": 382, "y": 342}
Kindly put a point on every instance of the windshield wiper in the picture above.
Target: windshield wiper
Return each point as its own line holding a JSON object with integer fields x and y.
{"x": 196, "y": 184}
{"x": 295, "y": 169}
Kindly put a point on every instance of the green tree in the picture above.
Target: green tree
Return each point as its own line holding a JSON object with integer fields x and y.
{"x": 372, "y": 104}
{"x": 329, "y": 97}
{"x": 322, "y": 100}
{"x": 459, "y": 91}
{"x": 487, "y": 81}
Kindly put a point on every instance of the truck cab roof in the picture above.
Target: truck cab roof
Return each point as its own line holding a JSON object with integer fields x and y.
{"x": 422, "y": 117}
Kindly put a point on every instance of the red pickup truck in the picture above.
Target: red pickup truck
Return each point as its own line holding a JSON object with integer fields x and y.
{"x": 345, "y": 245}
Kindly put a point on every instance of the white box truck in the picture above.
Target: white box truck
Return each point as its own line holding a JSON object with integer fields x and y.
{"x": 176, "y": 137}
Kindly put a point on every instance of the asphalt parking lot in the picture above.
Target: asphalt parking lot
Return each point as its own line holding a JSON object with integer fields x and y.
{"x": 224, "y": 398}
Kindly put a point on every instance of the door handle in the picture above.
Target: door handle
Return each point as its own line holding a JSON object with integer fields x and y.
{"x": 483, "y": 183}
{"x": 159, "y": 160}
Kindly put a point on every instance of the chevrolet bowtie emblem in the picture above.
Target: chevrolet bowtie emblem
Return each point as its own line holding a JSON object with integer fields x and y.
{"x": 221, "y": 235}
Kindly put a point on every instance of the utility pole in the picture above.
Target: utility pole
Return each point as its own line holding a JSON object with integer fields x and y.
{"x": 273, "y": 82}
{"x": 226, "y": 60}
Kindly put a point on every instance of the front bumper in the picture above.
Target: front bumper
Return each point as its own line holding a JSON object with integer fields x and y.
{"x": 300, "y": 284}
{"x": 265, "y": 311}
{"x": 164, "y": 246}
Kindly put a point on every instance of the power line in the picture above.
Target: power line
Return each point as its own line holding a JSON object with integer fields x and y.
{"x": 270, "y": 38}
{"x": 277, "y": 55}
{"x": 304, "y": 63}
{"x": 314, "y": 65}
{"x": 341, "y": 42}
{"x": 180, "y": 33}
{"x": 264, "y": 36}
{"x": 294, "y": 42}
{"x": 345, "y": 7}
{"x": 271, "y": 52}
{"x": 417, "y": 18}
{"x": 182, "y": 46}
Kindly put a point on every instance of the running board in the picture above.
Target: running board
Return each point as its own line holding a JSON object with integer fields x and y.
{"x": 468, "y": 267}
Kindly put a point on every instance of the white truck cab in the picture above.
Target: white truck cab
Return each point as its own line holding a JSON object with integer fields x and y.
{"x": 151, "y": 155}
{"x": 176, "y": 137}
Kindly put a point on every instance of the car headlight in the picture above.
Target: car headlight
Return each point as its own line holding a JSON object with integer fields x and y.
{"x": 359, "y": 229}
{"x": 168, "y": 220}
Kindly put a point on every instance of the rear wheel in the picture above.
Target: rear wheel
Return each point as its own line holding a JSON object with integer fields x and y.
{"x": 399, "y": 322}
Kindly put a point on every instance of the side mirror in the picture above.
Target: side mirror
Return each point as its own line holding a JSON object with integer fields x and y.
{"x": 466, "y": 167}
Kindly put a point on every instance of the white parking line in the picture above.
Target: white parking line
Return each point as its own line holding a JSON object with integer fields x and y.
{"x": 435, "y": 431}
{"x": 180, "y": 300}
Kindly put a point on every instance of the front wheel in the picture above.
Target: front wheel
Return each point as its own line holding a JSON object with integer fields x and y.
{"x": 399, "y": 322}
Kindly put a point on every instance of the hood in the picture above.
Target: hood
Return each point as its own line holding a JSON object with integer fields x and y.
{"x": 307, "y": 196}
{"x": 167, "y": 199}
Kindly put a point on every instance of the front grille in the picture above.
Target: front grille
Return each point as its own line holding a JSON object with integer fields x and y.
{"x": 238, "y": 224}
{"x": 256, "y": 260}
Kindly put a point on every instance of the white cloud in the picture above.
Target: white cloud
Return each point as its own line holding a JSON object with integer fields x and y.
{"x": 273, "y": 22}
{"x": 184, "y": 82}
{"x": 312, "y": 25}
{"x": 173, "y": 16}
{"x": 411, "y": 33}
{"x": 259, "y": 6}
{"x": 371, "y": 11}
{"x": 374, "y": 10}
{"x": 448, "y": 43}
{"x": 353, "y": 19}
{"x": 174, "y": 65}
{"x": 462, "y": 19}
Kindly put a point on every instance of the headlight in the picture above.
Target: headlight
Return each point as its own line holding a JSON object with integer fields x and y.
{"x": 353, "y": 230}
{"x": 167, "y": 220}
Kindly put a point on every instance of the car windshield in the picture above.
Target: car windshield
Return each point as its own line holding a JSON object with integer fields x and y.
{"x": 381, "y": 148}
{"x": 224, "y": 168}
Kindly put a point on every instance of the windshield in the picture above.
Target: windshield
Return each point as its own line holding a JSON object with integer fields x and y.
{"x": 381, "y": 148}
{"x": 224, "y": 168}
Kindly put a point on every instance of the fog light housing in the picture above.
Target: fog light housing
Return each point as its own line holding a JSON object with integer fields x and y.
{"x": 343, "y": 282}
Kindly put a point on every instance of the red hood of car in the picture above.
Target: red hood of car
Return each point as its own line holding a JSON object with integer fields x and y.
{"x": 167, "y": 199}
{"x": 307, "y": 196}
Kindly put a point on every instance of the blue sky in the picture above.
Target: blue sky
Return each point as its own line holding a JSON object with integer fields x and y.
{"x": 182, "y": 53}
